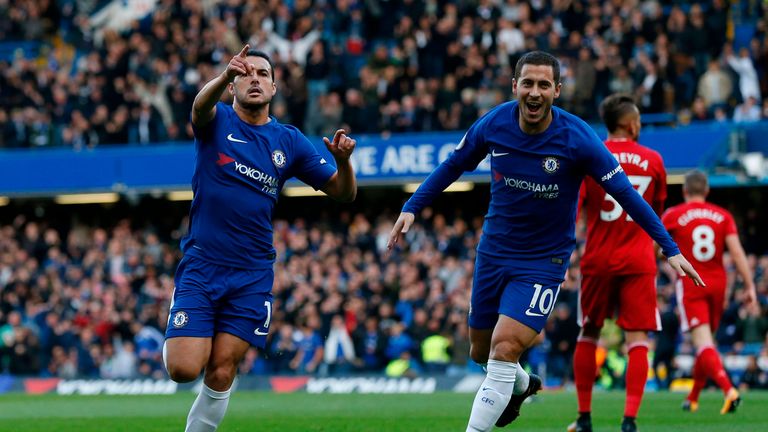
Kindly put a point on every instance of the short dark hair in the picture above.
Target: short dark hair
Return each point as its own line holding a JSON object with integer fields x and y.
{"x": 538, "y": 58}
{"x": 614, "y": 107}
{"x": 696, "y": 183}
{"x": 265, "y": 56}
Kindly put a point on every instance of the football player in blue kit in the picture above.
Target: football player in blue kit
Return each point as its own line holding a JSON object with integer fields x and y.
{"x": 539, "y": 156}
{"x": 222, "y": 301}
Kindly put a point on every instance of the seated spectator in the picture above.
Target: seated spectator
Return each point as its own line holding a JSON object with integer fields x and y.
{"x": 753, "y": 377}
{"x": 748, "y": 111}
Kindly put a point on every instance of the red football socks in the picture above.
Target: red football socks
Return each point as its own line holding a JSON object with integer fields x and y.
{"x": 699, "y": 379}
{"x": 637, "y": 374}
{"x": 713, "y": 368}
{"x": 584, "y": 372}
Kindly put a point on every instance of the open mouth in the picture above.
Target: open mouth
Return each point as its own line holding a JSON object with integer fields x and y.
{"x": 254, "y": 92}
{"x": 534, "y": 108}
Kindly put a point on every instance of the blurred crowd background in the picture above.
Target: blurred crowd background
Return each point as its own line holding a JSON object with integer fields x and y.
{"x": 90, "y": 299}
{"x": 81, "y": 73}
{"x": 85, "y": 301}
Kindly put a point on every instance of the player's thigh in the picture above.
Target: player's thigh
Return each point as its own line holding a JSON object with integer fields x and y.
{"x": 185, "y": 357}
{"x": 702, "y": 336}
{"x": 597, "y": 300}
{"x": 693, "y": 303}
{"x": 190, "y": 326}
{"x": 637, "y": 303}
{"x": 488, "y": 285}
{"x": 716, "y": 299}
{"x": 246, "y": 310}
{"x": 529, "y": 300}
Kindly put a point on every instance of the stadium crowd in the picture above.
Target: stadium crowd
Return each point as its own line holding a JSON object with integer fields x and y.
{"x": 90, "y": 301}
{"x": 78, "y": 74}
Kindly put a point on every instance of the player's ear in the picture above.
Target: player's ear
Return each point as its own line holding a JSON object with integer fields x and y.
{"x": 558, "y": 86}
{"x": 231, "y": 88}
{"x": 514, "y": 87}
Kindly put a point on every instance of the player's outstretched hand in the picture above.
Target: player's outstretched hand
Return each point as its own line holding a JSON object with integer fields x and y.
{"x": 683, "y": 268}
{"x": 402, "y": 225}
{"x": 238, "y": 65}
{"x": 342, "y": 146}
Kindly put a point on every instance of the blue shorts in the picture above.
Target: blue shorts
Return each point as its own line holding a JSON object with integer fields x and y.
{"x": 519, "y": 290}
{"x": 211, "y": 298}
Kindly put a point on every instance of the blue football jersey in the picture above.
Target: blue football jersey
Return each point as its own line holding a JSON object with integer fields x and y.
{"x": 535, "y": 184}
{"x": 239, "y": 171}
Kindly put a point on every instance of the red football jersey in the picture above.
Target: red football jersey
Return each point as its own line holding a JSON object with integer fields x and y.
{"x": 615, "y": 243}
{"x": 700, "y": 228}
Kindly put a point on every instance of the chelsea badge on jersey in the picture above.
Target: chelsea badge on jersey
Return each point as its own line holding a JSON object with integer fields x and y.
{"x": 550, "y": 164}
{"x": 278, "y": 158}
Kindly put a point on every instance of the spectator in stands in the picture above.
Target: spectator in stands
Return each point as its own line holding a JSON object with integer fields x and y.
{"x": 339, "y": 350}
{"x": 309, "y": 343}
{"x": 749, "y": 87}
{"x": 52, "y": 279}
{"x": 748, "y": 111}
{"x": 398, "y": 44}
{"x": 370, "y": 343}
{"x": 715, "y": 86}
{"x": 282, "y": 349}
{"x": 753, "y": 377}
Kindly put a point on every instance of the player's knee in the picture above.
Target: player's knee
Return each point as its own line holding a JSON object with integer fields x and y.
{"x": 182, "y": 373}
{"x": 220, "y": 377}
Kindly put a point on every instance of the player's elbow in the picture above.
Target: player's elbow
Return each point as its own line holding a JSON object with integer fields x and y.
{"x": 339, "y": 193}
{"x": 346, "y": 197}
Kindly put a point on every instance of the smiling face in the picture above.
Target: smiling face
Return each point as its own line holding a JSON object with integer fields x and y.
{"x": 255, "y": 90}
{"x": 536, "y": 91}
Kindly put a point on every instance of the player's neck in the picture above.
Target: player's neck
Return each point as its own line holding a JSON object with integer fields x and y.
{"x": 535, "y": 129}
{"x": 258, "y": 116}
{"x": 695, "y": 199}
{"x": 619, "y": 137}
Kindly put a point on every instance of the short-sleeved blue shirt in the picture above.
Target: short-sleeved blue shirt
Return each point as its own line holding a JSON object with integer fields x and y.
{"x": 240, "y": 169}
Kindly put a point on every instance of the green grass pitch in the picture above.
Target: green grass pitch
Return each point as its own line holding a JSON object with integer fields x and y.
{"x": 255, "y": 411}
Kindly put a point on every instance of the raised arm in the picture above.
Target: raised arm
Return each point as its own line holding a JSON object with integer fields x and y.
{"x": 204, "y": 106}
{"x": 342, "y": 186}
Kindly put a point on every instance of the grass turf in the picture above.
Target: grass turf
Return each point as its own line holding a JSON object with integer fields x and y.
{"x": 255, "y": 411}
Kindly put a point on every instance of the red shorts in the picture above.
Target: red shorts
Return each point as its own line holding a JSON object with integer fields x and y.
{"x": 630, "y": 297}
{"x": 700, "y": 305}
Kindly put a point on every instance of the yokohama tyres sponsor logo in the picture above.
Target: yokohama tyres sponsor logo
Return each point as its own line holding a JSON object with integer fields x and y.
{"x": 116, "y": 387}
{"x": 371, "y": 385}
{"x": 540, "y": 190}
{"x": 255, "y": 174}
{"x": 530, "y": 186}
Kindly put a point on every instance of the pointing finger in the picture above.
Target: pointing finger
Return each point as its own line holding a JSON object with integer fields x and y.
{"x": 394, "y": 234}
{"x": 338, "y": 135}
{"x": 244, "y": 51}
